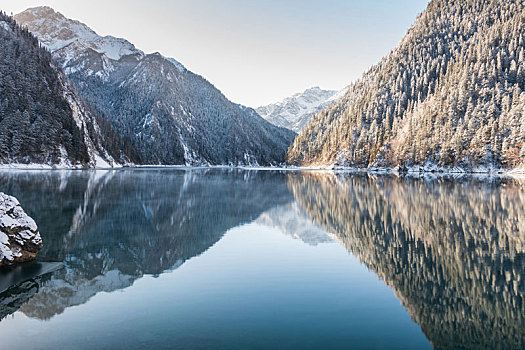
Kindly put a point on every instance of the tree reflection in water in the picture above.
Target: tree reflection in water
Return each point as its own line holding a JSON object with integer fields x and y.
{"x": 451, "y": 249}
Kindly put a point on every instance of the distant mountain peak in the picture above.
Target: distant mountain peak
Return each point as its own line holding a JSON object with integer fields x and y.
{"x": 294, "y": 112}
{"x": 55, "y": 32}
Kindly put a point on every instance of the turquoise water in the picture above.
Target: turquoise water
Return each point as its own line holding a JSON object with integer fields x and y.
{"x": 235, "y": 259}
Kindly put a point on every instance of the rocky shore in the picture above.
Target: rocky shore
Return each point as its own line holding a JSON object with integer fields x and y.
{"x": 20, "y": 240}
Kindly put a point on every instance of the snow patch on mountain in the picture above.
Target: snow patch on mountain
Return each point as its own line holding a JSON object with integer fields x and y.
{"x": 5, "y": 26}
{"x": 338, "y": 95}
{"x": 114, "y": 48}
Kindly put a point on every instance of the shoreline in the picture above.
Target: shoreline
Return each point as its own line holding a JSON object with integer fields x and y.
{"x": 412, "y": 171}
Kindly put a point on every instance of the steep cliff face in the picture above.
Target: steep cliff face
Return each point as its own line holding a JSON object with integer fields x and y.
{"x": 452, "y": 94}
{"x": 169, "y": 114}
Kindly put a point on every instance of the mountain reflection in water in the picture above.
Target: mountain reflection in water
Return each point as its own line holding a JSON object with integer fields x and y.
{"x": 113, "y": 227}
{"x": 452, "y": 250}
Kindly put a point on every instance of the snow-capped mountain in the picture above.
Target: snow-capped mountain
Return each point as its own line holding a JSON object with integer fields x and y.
{"x": 294, "y": 112}
{"x": 169, "y": 114}
{"x": 66, "y": 38}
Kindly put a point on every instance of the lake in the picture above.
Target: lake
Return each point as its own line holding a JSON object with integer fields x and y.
{"x": 235, "y": 259}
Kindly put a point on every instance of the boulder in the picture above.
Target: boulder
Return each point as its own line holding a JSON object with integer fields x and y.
{"x": 20, "y": 240}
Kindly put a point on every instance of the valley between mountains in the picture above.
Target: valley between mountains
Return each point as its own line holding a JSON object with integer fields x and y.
{"x": 449, "y": 98}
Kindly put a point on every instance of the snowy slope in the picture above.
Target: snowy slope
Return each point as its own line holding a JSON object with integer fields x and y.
{"x": 294, "y": 112}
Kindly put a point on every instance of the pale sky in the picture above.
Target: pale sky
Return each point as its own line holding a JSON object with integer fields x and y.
{"x": 255, "y": 51}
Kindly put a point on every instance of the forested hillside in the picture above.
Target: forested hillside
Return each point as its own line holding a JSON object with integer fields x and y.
{"x": 35, "y": 119}
{"x": 452, "y": 94}
{"x": 42, "y": 119}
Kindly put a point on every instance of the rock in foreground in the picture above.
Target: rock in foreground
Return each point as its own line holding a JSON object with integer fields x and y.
{"x": 20, "y": 240}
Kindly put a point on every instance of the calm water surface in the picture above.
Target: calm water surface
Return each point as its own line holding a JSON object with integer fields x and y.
{"x": 265, "y": 259}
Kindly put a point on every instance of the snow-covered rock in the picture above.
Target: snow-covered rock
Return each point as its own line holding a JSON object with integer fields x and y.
{"x": 20, "y": 240}
{"x": 5, "y": 26}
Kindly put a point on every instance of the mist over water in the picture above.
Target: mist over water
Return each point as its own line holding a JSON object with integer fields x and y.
{"x": 236, "y": 258}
